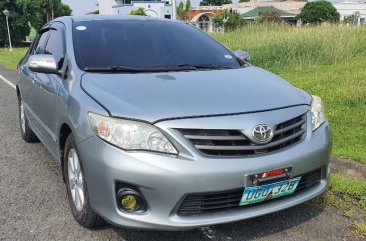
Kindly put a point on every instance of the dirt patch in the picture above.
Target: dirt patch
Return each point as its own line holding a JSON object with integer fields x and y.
{"x": 348, "y": 168}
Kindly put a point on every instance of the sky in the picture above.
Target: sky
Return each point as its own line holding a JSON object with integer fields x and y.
{"x": 81, "y": 7}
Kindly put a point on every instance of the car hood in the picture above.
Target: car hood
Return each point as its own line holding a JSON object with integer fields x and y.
{"x": 157, "y": 96}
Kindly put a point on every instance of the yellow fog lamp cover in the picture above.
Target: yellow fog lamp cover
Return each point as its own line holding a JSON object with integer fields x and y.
{"x": 129, "y": 202}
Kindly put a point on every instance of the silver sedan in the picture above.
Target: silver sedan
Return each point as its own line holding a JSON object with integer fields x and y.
{"x": 156, "y": 125}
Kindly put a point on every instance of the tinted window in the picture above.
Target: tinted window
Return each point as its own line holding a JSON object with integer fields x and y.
{"x": 38, "y": 46}
{"x": 56, "y": 44}
{"x": 145, "y": 43}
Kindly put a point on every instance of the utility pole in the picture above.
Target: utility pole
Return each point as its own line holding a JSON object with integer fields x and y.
{"x": 6, "y": 13}
{"x": 174, "y": 13}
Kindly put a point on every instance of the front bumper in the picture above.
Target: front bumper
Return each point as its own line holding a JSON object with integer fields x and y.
{"x": 164, "y": 180}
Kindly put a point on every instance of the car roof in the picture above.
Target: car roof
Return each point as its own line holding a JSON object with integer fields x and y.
{"x": 99, "y": 17}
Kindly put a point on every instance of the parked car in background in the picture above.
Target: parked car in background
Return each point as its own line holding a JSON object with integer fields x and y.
{"x": 156, "y": 125}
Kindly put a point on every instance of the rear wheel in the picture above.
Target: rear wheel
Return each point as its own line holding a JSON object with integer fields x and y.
{"x": 76, "y": 187}
{"x": 26, "y": 132}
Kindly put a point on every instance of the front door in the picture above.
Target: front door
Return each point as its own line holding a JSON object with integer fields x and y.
{"x": 44, "y": 90}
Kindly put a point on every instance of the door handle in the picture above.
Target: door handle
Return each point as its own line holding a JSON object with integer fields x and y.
{"x": 34, "y": 80}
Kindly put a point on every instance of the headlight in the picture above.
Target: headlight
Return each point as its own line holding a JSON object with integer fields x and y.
{"x": 317, "y": 112}
{"x": 130, "y": 135}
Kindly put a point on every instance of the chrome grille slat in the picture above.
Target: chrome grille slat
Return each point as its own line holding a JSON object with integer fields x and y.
{"x": 258, "y": 147}
{"x": 289, "y": 127}
{"x": 221, "y": 142}
{"x": 221, "y": 138}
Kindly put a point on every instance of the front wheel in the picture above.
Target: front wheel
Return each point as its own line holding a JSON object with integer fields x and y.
{"x": 26, "y": 132}
{"x": 76, "y": 187}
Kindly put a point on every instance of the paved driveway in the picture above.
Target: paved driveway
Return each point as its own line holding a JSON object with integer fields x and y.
{"x": 33, "y": 204}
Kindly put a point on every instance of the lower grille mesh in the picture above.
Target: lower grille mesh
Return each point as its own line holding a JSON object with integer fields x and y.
{"x": 205, "y": 203}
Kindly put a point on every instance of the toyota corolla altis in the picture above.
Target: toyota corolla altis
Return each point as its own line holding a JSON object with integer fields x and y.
{"x": 157, "y": 125}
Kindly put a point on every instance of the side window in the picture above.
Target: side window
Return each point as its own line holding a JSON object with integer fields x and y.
{"x": 56, "y": 44}
{"x": 38, "y": 46}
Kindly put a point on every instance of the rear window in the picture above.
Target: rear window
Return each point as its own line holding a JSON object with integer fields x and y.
{"x": 145, "y": 44}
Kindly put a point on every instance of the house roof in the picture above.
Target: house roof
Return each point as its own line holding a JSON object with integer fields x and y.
{"x": 283, "y": 5}
{"x": 193, "y": 13}
{"x": 258, "y": 10}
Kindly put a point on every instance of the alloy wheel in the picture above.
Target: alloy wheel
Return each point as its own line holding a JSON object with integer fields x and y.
{"x": 22, "y": 117}
{"x": 76, "y": 180}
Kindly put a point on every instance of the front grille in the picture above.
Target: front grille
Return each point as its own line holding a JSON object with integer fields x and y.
{"x": 214, "y": 202}
{"x": 234, "y": 143}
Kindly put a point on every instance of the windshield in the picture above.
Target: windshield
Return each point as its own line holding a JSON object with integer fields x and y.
{"x": 146, "y": 44}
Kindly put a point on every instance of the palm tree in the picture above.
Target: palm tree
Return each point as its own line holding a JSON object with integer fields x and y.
{"x": 47, "y": 6}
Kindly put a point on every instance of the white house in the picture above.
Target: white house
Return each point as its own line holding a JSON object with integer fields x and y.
{"x": 153, "y": 8}
{"x": 347, "y": 8}
{"x": 358, "y": 9}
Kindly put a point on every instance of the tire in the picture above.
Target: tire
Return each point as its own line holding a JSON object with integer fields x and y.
{"x": 26, "y": 132}
{"x": 81, "y": 210}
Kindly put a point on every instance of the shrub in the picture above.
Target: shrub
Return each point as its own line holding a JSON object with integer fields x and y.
{"x": 229, "y": 20}
{"x": 319, "y": 12}
{"x": 270, "y": 17}
{"x": 139, "y": 11}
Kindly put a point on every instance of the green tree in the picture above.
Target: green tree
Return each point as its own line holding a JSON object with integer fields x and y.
{"x": 188, "y": 7}
{"x": 17, "y": 23}
{"x": 39, "y": 12}
{"x": 319, "y": 12}
{"x": 214, "y": 2}
{"x": 228, "y": 20}
{"x": 139, "y": 11}
{"x": 181, "y": 11}
{"x": 244, "y": 1}
{"x": 218, "y": 20}
{"x": 48, "y": 9}
{"x": 62, "y": 9}
{"x": 233, "y": 20}
{"x": 351, "y": 19}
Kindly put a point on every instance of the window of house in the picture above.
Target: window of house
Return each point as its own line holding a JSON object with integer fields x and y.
{"x": 204, "y": 23}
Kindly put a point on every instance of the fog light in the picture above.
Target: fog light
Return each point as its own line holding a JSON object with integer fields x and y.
{"x": 130, "y": 200}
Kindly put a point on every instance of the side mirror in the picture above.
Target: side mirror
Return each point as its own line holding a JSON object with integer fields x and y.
{"x": 242, "y": 55}
{"x": 43, "y": 63}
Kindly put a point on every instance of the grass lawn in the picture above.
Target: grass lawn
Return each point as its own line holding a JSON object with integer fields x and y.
{"x": 326, "y": 61}
{"x": 343, "y": 89}
{"x": 11, "y": 59}
{"x": 348, "y": 195}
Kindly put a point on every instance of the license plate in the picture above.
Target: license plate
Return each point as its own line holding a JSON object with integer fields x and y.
{"x": 270, "y": 191}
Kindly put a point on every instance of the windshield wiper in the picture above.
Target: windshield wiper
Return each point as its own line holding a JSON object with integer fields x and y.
{"x": 203, "y": 66}
{"x": 179, "y": 67}
{"x": 139, "y": 70}
{"x": 112, "y": 69}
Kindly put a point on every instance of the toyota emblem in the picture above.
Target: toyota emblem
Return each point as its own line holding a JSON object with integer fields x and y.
{"x": 262, "y": 133}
